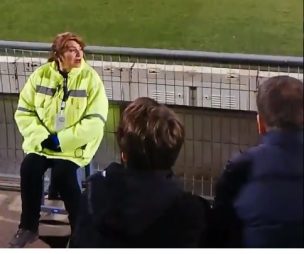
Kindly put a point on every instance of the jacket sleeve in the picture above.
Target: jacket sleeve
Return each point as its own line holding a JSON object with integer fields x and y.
{"x": 83, "y": 230}
{"x": 86, "y": 233}
{"x": 226, "y": 226}
{"x": 91, "y": 126}
{"x": 28, "y": 122}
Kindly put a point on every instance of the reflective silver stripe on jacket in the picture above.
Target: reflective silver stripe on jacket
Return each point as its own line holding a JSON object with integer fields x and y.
{"x": 95, "y": 115}
{"x": 45, "y": 90}
{"x": 78, "y": 93}
{"x": 25, "y": 110}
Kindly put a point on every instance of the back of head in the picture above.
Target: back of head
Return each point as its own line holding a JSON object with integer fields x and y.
{"x": 150, "y": 135}
{"x": 280, "y": 103}
{"x": 60, "y": 43}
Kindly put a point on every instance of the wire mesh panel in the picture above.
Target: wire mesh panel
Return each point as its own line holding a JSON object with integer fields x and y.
{"x": 212, "y": 137}
{"x": 214, "y": 96}
{"x": 11, "y": 153}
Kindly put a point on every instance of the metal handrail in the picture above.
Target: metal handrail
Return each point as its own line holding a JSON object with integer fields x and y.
{"x": 178, "y": 55}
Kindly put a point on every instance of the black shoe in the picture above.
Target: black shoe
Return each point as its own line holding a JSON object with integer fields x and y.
{"x": 23, "y": 237}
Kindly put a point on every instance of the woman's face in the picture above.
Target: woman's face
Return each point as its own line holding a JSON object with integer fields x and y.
{"x": 72, "y": 56}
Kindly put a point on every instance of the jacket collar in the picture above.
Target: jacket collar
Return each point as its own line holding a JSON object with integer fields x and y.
{"x": 72, "y": 73}
{"x": 280, "y": 137}
{"x": 165, "y": 173}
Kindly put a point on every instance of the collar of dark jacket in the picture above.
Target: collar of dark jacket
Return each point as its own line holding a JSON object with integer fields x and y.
{"x": 280, "y": 137}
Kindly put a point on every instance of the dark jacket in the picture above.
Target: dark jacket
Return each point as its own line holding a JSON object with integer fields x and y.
{"x": 259, "y": 198}
{"x": 130, "y": 208}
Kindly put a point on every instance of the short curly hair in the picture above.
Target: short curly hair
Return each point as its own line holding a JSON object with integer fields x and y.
{"x": 150, "y": 134}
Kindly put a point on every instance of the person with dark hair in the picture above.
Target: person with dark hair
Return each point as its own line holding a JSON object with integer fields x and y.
{"x": 259, "y": 197}
{"x": 139, "y": 203}
{"x": 61, "y": 115}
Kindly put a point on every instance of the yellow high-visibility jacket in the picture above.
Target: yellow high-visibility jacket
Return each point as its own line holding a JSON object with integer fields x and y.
{"x": 85, "y": 112}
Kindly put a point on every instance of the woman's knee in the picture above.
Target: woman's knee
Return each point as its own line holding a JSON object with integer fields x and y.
{"x": 32, "y": 164}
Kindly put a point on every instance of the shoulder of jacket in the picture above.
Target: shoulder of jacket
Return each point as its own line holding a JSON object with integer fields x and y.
{"x": 242, "y": 157}
{"x": 39, "y": 72}
{"x": 42, "y": 69}
{"x": 88, "y": 69}
{"x": 112, "y": 169}
{"x": 237, "y": 170}
{"x": 195, "y": 200}
{"x": 192, "y": 207}
{"x": 90, "y": 73}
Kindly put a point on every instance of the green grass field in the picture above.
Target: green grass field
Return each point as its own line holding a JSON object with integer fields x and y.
{"x": 246, "y": 26}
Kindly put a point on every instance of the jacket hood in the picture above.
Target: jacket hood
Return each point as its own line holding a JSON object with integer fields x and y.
{"x": 126, "y": 201}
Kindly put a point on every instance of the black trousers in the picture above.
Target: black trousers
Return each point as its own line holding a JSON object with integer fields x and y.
{"x": 64, "y": 173}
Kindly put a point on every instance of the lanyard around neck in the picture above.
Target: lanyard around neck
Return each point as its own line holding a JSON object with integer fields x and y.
{"x": 65, "y": 89}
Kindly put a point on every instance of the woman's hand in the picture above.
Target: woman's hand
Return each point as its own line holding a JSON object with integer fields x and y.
{"x": 52, "y": 143}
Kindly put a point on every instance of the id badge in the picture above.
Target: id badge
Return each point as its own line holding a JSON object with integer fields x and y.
{"x": 59, "y": 122}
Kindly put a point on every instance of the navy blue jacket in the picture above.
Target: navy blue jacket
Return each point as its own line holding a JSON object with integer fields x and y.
{"x": 131, "y": 208}
{"x": 259, "y": 197}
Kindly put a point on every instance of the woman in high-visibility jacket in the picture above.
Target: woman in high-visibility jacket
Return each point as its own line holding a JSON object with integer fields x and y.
{"x": 61, "y": 115}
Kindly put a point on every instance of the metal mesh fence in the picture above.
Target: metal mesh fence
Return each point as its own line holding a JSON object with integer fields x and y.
{"x": 214, "y": 98}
